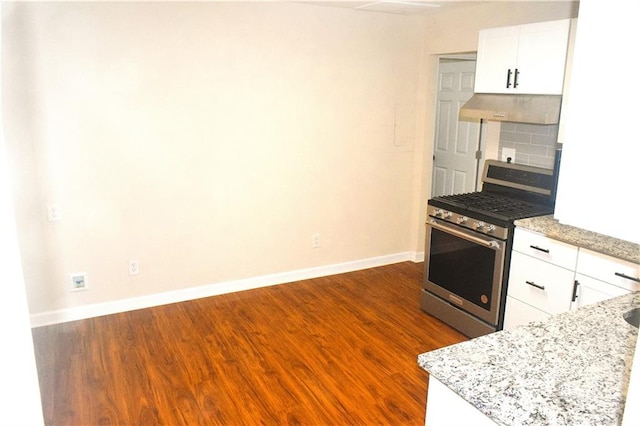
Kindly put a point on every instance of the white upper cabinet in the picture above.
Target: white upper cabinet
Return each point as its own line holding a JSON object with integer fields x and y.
{"x": 526, "y": 59}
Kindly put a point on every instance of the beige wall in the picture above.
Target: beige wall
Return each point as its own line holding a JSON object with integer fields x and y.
{"x": 209, "y": 141}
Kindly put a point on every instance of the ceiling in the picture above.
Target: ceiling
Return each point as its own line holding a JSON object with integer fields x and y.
{"x": 399, "y": 7}
{"x": 407, "y": 7}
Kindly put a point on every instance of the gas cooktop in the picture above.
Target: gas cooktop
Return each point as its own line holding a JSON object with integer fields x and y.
{"x": 492, "y": 205}
{"x": 509, "y": 192}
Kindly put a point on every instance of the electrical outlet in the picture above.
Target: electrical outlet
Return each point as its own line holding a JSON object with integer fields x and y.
{"x": 315, "y": 240}
{"x": 78, "y": 281}
{"x": 134, "y": 268}
{"x": 509, "y": 155}
{"x": 53, "y": 212}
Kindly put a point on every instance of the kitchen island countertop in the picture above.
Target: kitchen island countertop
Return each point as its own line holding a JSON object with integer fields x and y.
{"x": 550, "y": 227}
{"x": 572, "y": 369}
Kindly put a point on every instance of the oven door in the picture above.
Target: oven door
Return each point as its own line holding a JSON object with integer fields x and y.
{"x": 465, "y": 268}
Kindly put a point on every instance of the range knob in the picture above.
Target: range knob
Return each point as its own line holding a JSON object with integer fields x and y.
{"x": 490, "y": 229}
{"x": 479, "y": 225}
{"x": 438, "y": 212}
{"x": 462, "y": 219}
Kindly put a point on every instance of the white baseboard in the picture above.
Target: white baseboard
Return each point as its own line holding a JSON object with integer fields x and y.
{"x": 116, "y": 306}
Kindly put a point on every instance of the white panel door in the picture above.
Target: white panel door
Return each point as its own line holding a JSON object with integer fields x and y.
{"x": 454, "y": 165}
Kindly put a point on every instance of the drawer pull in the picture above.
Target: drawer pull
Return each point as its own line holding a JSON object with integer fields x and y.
{"x": 620, "y": 274}
{"x": 576, "y": 283}
{"x": 532, "y": 284}
{"x": 540, "y": 249}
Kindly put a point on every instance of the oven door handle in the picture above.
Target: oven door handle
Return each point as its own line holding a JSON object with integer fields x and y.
{"x": 493, "y": 244}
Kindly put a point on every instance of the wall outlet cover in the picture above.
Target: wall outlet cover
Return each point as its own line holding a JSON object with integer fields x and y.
{"x": 508, "y": 153}
{"x": 79, "y": 281}
{"x": 134, "y": 267}
{"x": 53, "y": 212}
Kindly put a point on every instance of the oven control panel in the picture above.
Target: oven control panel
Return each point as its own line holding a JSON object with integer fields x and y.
{"x": 468, "y": 222}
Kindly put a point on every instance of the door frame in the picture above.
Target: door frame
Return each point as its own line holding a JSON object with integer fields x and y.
{"x": 481, "y": 146}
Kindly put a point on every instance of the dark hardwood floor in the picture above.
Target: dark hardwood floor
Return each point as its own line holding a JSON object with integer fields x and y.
{"x": 333, "y": 350}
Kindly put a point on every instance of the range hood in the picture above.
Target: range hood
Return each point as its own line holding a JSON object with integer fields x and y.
{"x": 538, "y": 109}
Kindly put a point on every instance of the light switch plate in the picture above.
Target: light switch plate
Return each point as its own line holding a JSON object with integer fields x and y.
{"x": 53, "y": 212}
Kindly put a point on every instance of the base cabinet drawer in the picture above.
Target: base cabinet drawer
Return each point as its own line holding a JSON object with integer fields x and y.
{"x": 541, "y": 284}
{"x": 618, "y": 272}
{"x": 519, "y": 313}
{"x": 545, "y": 249}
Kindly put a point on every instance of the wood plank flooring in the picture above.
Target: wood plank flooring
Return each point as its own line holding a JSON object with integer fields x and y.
{"x": 328, "y": 351}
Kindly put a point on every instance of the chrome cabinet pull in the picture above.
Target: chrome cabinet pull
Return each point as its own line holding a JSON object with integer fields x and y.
{"x": 532, "y": 284}
{"x": 540, "y": 249}
{"x": 620, "y": 274}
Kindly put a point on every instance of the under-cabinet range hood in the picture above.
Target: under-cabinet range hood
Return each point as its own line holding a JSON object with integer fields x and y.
{"x": 538, "y": 109}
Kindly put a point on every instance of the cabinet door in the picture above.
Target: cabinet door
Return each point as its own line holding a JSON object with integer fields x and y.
{"x": 542, "y": 55}
{"x": 445, "y": 407}
{"x": 592, "y": 291}
{"x": 518, "y": 313}
{"x": 537, "y": 51}
{"x": 497, "y": 53}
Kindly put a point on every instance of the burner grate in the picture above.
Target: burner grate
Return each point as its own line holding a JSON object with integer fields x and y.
{"x": 496, "y": 205}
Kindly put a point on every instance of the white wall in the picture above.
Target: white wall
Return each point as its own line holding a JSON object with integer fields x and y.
{"x": 19, "y": 390}
{"x": 598, "y": 186}
{"x": 209, "y": 141}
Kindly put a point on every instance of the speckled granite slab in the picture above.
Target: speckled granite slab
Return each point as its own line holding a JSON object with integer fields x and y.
{"x": 604, "y": 244}
{"x": 570, "y": 370}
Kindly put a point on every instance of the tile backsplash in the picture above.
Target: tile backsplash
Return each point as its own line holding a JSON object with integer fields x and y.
{"x": 535, "y": 144}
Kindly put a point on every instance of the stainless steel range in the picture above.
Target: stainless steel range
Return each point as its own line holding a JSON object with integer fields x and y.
{"x": 468, "y": 244}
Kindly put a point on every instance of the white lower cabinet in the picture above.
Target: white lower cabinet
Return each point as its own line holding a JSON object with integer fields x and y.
{"x": 543, "y": 285}
{"x": 590, "y": 290}
{"x": 541, "y": 278}
{"x": 447, "y": 408}
{"x": 548, "y": 277}
{"x": 519, "y": 313}
{"x": 600, "y": 277}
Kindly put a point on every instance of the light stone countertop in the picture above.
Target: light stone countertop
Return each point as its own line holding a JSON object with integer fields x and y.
{"x": 570, "y": 370}
{"x": 550, "y": 227}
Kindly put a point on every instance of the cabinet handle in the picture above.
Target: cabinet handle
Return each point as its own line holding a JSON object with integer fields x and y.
{"x": 532, "y": 284}
{"x": 620, "y": 274}
{"x": 515, "y": 78}
{"x": 509, "y": 78}
{"x": 576, "y": 283}
{"x": 540, "y": 249}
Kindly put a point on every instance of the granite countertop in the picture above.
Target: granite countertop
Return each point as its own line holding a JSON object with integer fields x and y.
{"x": 600, "y": 243}
{"x": 572, "y": 369}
